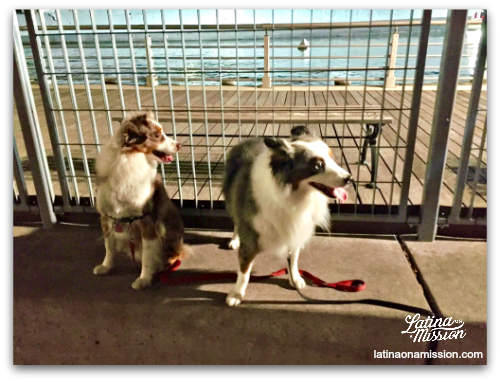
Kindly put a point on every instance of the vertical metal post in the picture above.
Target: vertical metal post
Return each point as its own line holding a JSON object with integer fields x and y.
{"x": 28, "y": 128}
{"x": 152, "y": 79}
{"x": 132, "y": 58}
{"x": 400, "y": 117}
{"x": 255, "y": 74}
{"x": 478, "y": 170}
{"x": 411, "y": 137}
{"x": 445, "y": 99}
{"x": 188, "y": 104}
{"x": 391, "y": 78}
{"x": 363, "y": 114}
{"x": 86, "y": 80}
{"x": 101, "y": 71}
{"x": 375, "y": 150}
{"x": 273, "y": 84}
{"x": 470, "y": 123}
{"x": 47, "y": 107}
{"x": 74, "y": 104}
{"x": 19, "y": 47}
{"x": 207, "y": 134}
{"x": 266, "y": 80}
{"x": 172, "y": 107}
{"x": 117, "y": 61}
{"x": 19, "y": 177}
{"x": 237, "y": 72}
{"x": 223, "y": 124}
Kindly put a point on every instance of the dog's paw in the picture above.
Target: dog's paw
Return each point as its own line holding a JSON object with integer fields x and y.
{"x": 101, "y": 270}
{"x": 141, "y": 283}
{"x": 297, "y": 282}
{"x": 234, "y": 243}
{"x": 233, "y": 298}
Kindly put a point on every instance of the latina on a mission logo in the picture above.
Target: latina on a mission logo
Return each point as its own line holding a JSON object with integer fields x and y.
{"x": 433, "y": 329}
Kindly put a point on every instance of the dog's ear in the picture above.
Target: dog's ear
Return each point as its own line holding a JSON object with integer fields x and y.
{"x": 278, "y": 145}
{"x": 133, "y": 133}
{"x": 300, "y": 131}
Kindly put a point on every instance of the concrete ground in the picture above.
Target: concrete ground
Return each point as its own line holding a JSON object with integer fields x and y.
{"x": 63, "y": 314}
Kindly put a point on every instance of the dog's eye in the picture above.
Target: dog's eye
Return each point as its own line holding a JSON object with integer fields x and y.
{"x": 319, "y": 166}
{"x": 157, "y": 134}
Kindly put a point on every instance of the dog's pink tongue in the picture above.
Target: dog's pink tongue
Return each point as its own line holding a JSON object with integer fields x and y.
{"x": 340, "y": 193}
{"x": 170, "y": 158}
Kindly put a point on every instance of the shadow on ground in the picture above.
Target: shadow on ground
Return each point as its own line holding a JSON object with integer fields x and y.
{"x": 63, "y": 314}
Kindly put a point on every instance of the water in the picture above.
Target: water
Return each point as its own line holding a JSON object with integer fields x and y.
{"x": 303, "y": 68}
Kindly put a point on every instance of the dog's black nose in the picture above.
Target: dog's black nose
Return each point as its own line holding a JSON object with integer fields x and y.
{"x": 179, "y": 145}
{"x": 348, "y": 179}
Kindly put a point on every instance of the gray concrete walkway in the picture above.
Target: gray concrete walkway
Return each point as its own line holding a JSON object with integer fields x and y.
{"x": 63, "y": 314}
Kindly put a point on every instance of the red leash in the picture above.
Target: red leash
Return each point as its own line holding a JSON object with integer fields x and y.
{"x": 343, "y": 286}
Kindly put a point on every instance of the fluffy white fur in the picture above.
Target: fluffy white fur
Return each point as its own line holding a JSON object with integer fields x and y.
{"x": 129, "y": 180}
{"x": 287, "y": 218}
{"x": 126, "y": 184}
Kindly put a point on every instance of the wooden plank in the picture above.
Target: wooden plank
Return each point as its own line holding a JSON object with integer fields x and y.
{"x": 312, "y": 104}
{"x": 458, "y": 121}
{"x": 279, "y": 117}
{"x": 421, "y": 150}
{"x": 388, "y": 169}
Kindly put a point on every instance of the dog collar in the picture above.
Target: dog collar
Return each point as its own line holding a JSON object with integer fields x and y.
{"x": 127, "y": 220}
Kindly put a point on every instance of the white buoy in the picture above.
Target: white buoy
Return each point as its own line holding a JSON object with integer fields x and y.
{"x": 229, "y": 81}
{"x": 304, "y": 45}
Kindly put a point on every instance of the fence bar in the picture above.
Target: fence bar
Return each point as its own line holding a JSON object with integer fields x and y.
{"x": 188, "y": 104}
{"x": 360, "y": 161}
{"x": 438, "y": 146}
{"x": 101, "y": 71}
{"x": 47, "y": 107}
{"x": 86, "y": 80}
{"x": 345, "y": 89}
{"x": 310, "y": 72}
{"x": 58, "y": 101}
{"x": 291, "y": 94}
{"x": 171, "y": 98}
{"x": 74, "y": 104}
{"x": 18, "y": 44}
{"x": 477, "y": 170}
{"x": 237, "y": 70}
{"x": 470, "y": 122}
{"x": 250, "y": 27}
{"x": 415, "y": 112}
{"x": 382, "y": 107}
{"x": 152, "y": 79}
{"x": 207, "y": 135}
{"x": 19, "y": 177}
{"x": 28, "y": 127}
{"x": 256, "y": 94}
{"x": 132, "y": 58}
{"x": 401, "y": 106}
{"x": 117, "y": 61}
{"x": 272, "y": 82}
{"x": 223, "y": 125}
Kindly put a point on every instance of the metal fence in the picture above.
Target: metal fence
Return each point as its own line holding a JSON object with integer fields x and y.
{"x": 359, "y": 84}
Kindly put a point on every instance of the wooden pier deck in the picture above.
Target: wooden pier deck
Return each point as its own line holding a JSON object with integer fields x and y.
{"x": 344, "y": 139}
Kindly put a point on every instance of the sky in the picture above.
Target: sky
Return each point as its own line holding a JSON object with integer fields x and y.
{"x": 242, "y": 16}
